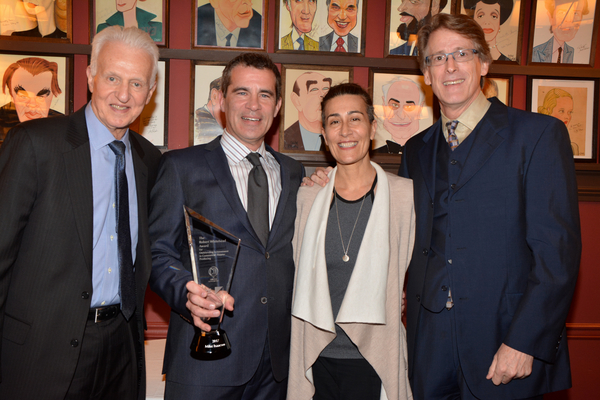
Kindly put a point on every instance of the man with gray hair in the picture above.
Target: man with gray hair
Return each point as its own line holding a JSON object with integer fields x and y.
{"x": 74, "y": 249}
{"x": 403, "y": 101}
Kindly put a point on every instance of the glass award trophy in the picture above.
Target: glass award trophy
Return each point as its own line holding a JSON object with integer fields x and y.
{"x": 213, "y": 253}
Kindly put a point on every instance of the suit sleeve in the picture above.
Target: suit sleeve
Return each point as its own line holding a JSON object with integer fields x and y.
{"x": 167, "y": 227}
{"x": 554, "y": 238}
{"x": 18, "y": 183}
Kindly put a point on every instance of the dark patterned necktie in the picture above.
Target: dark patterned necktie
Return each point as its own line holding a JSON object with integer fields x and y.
{"x": 558, "y": 60}
{"x": 452, "y": 138}
{"x": 228, "y": 37}
{"x": 258, "y": 198}
{"x": 340, "y": 46}
{"x": 127, "y": 276}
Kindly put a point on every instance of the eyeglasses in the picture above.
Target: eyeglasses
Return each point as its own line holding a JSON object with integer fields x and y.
{"x": 458, "y": 56}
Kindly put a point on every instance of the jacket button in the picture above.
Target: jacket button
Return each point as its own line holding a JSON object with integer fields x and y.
{"x": 85, "y": 295}
{"x": 418, "y": 298}
{"x": 453, "y": 186}
{"x": 267, "y": 255}
{"x": 453, "y": 162}
{"x": 263, "y": 300}
{"x": 425, "y": 252}
{"x": 444, "y": 288}
{"x": 74, "y": 343}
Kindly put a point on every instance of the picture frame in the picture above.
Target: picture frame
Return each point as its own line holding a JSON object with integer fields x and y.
{"x": 575, "y": 102}
{"x": 400, "y": 39}
{"x": 153, "y": 121}
{"x": 50, "y": 21}
{"x": 579, "y": 35}
{"x": 302, "y": 85}
{"x": 502, "y": 22}
{"x": 151, "y": 16}
{"x": 499, "y": 86}
{"x": 207, "y": 118}
{"x": 247, "y": 32}
{"x": 321, "y": 36}
{"x": 404, "y": 106}
{"x": 26, "y": 97}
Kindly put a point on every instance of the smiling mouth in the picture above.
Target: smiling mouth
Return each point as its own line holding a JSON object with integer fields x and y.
{"x": 118, "y": 107}
{"x": 347, "y": 145}
{"x": 400, "y": 124}
{"x": 251, "y": 119}
{"x": 342, "y": 25}
{"x": 456, "y": 82}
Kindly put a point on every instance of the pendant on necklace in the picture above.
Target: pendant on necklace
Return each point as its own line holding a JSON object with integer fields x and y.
{"x": 346, "y": 258}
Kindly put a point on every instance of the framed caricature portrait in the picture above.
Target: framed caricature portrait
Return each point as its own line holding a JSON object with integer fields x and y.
{"x": 47, "y": 20}
{"x": 229, "y": 24}
{"x": 403, "y": 107}
{"x": 498, "y": 86}
{"x": 208, "y": 120}
{"x": 575, "y": 102}
{"x": 327, "y": 25}
{"x": 33, "y": 87}
{"x": 564, "y": 32}
{"x": 152, "y": 122}
{"x": 502, "y": 23}
{"x": 403, "y": 20}
{"x": 304, "y": 87}
{"x": 148, "y": 15}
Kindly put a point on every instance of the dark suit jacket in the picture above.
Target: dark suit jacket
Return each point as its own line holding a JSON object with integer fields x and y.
{"x": 325, "y": 43}
{"x": 207, "y": 36}
{"x": 46, "y": 253}
{"x": 404, "y": 50}
{"x": 199, "y": 177}
{"x": 515, "y": 224}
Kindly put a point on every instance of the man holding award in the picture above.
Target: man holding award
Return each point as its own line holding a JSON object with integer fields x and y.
{"x": 243, "y": 189}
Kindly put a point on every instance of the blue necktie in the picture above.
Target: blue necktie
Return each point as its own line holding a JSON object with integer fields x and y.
{"x": 127, "y": 275}
{"x": 228, "y": 37}
{"x": 301, "y": 43}
{"x": 452, "y": 138}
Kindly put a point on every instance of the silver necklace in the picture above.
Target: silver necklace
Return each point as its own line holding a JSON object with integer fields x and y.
{"x": 345, "y": 258}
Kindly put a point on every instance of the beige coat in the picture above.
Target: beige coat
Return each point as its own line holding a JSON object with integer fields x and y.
{"x": 370, "y": 313}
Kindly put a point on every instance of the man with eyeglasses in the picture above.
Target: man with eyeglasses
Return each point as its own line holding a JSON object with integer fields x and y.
{"x": 498, "y": 241}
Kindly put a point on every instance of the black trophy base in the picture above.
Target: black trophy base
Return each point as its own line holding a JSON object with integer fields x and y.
{"x": 212, "y": 345}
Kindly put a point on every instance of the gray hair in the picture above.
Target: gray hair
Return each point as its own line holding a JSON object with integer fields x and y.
{"x": 131, "y": 37}
{"x": 328, "y": 2}
{"x": 388, "y": 85}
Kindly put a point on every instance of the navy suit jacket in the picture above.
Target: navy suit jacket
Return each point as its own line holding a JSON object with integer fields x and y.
{"x": 207, "y": 36}
{"x": 325, "y": 43}
{"x": 46, "y": 253}
{"x": 199, "y": 177}
{"x": 514, "y": 222}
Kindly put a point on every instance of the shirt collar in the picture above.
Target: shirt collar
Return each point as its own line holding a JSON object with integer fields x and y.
{"x": 99, "y": 134}
{"x": 236, "y": 151}
{"x": 469, "y": 119}
{"x": 222, "y": 32}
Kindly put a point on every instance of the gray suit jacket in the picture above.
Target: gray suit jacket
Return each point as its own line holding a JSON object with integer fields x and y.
{"x": 199, "y": 177}
{"x": 325, "y": 42}
{"x": 46, "y": 253}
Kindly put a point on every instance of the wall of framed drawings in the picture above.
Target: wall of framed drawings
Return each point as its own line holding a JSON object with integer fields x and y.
{"x": 186, "y": 89}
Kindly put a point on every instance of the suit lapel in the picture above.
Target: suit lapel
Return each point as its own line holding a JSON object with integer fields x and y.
{"x": 427, "y": 156}
{"x": 486, "y": 141}
{"x": 217, "y": 162}
{"x": 141, "y": 182}
{"x": 283, "y": 196}
{"x": 78, "y": 165}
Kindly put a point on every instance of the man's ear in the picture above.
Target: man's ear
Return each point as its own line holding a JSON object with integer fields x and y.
{"x": 90, "y": 78}
{"x": 296, "y": 101}
{"x": 151, "y": 92}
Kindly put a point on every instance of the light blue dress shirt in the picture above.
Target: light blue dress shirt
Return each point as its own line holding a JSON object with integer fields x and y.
{"x": 105, "y": 258}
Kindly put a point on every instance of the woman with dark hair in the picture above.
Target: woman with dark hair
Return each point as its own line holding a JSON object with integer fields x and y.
{"x": 490, "y": 15}
{"x": 352, "y": 244}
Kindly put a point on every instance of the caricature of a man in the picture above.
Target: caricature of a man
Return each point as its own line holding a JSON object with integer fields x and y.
{"x": 413, "y": 15}
{"x": 305, "y": 134}
{"x": 341, "y": 17}
{"x": 229, "y": 23}
{"x": 302, "y": 13}
{"x": 33, "y": 84}
{"x": 403, "y": 101}
{"x": 209, "y": 119}
{"x": 565, "y": 20}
